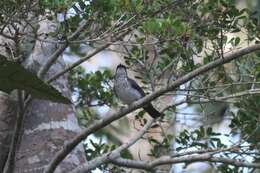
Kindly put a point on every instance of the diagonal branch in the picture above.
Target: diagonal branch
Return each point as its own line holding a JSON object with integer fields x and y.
{"x": 80, "y": 61}
{"x": 88, "y": 166}
{"x": 44, "y": 68}
{"x": 138, "y": 104}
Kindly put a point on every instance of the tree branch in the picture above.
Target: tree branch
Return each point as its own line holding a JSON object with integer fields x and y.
{"x": 239, "y": 94}
{"x": 80, "y": 61}
{"x": 203, "y": 99}
{"x": 113, "y": 154}
{"x": 165, "y": 160}
{"x": 44, "y": 68}
{"x": 107, "y": 120}
{"x": 227, "y": 85}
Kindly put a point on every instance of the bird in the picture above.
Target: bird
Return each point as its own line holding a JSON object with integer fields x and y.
{"x": 128, "y": 91}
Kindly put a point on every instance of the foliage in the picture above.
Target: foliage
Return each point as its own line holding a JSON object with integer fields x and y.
{"x": 169, "y": 38}
{"x": 94, "y": 149}
{"x": 92, "y": 89}
{"x": 200, "y": 138}
{"x": 166, "y": 39}
{"x": 247, "y": 120}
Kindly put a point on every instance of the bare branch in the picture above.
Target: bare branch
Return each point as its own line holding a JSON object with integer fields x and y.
{"x": 44, "y": 68}
{"x": 227, "y": 85}
{"x": 240, "y": 94}
{"x": 165, "y": 160}
{"x": 204, "y": 99}
{"x": 80, "y": 61}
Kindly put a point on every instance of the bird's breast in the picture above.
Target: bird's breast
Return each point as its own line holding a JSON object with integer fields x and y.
{"x": 125, "y": 93}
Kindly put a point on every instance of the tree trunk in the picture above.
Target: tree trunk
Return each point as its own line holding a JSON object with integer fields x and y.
{"x": 7, "y": 121}
{"x": 47, "y": 125}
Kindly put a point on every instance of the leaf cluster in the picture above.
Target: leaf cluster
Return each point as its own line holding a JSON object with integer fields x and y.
{"x": 92, "y": 89}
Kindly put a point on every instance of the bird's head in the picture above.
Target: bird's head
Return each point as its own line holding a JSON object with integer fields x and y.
{"x": 121, "y": 70}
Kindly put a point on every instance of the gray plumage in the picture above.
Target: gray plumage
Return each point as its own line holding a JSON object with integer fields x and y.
{"x": 128, "y": 91}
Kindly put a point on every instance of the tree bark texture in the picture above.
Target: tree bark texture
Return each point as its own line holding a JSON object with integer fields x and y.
{"x": 7, "y": 121}
{"x": 47, "y": 125}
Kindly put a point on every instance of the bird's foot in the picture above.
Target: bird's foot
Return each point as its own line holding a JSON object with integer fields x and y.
{"x": 122, "y": 107}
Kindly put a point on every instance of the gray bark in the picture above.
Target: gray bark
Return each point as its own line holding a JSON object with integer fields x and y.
{"x": 47, "y": 126}
{"x": 7, "y": 118}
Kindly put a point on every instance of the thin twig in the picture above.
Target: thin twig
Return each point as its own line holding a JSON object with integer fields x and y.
{"x": 125, "y": 31}
{"x": 80, "y": 61}
{"x": 50, "y": 60}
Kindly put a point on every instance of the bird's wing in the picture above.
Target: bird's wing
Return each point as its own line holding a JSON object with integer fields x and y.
{"x": 136, "y": 86}
{"x": 148, "y": 107}
{"x": 114, "y": 89}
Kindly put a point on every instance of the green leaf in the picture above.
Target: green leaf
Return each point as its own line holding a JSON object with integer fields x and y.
{"x": 209, "y": 131}
{"x": 178, "y": 26}
{"x": 14, "y": 76}
{"x": 237, "y": 41}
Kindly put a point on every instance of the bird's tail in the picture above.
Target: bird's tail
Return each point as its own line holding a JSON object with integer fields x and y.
{"x": 152, "y": 111}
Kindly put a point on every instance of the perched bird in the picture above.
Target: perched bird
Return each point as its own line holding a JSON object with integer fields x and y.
{"x": 128, "y": 91}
